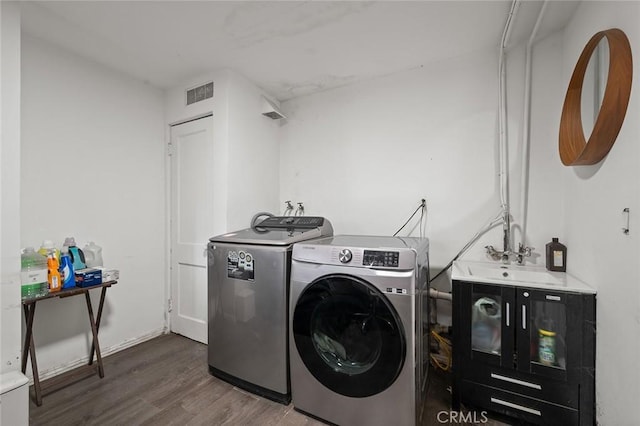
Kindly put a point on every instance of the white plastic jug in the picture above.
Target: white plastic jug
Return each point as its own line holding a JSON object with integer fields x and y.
{"x": 92, "y": 255}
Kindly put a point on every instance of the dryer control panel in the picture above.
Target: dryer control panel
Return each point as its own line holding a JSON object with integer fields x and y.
{"x": 380, "y": 258}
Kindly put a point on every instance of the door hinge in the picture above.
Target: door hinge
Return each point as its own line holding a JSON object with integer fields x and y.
{"x": 170, "y": 305}
{"x": 171, "y": 149}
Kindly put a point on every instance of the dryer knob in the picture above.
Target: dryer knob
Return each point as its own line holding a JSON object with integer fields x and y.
{"x": 345, "y": 256}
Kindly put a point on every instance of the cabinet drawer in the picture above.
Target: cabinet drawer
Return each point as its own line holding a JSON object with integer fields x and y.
{"x": 526, "y": 384}
{"x": 518, "y": 406}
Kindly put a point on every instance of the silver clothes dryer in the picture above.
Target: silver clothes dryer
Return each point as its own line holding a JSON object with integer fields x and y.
{"x": 357, "y": 336}
{"x": 248, "y": 293}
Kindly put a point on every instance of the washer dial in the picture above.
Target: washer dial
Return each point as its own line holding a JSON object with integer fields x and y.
{"x": 345, "y": 256}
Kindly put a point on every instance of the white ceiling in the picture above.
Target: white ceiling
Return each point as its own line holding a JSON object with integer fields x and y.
{"x": 289, "y": 49}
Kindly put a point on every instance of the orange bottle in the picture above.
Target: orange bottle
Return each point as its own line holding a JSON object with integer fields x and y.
{"x": 55, "y": 283}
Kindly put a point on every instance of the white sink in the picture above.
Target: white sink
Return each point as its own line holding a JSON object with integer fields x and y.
{"x": 516, "y": 275}
{"x": 513, "y": 273}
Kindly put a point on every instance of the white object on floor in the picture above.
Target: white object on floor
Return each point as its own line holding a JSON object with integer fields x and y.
{"x": 14, "y": 399}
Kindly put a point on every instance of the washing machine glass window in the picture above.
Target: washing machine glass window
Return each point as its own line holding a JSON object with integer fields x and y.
{"x": 349, "y": 335}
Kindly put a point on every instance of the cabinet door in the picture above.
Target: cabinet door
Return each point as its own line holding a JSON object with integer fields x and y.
{"x": 485, "y": 316}
{"x": 549, "y": 335}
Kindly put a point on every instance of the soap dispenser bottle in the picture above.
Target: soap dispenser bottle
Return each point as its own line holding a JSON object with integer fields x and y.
{"x": 556, "y": 256}
{"x": 66, "y": 269}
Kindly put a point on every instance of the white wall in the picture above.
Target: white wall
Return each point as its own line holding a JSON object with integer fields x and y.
{"x": 364, "y": 155}
{"x": 546, "y": 204}
{"x": 10, "y": 307}
{"x": 598, "y": 251}
{"x": 93, "y": 168}
{"x": 254, "y": 155}
{"x": 246, "y": 148}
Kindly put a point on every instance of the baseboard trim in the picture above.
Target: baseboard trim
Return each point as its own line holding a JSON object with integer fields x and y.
{"x": 52, "y": 372}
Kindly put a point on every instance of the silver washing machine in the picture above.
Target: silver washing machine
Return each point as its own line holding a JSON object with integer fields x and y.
{"x": 357, "y": 339}
{"x": 248, "y": 294}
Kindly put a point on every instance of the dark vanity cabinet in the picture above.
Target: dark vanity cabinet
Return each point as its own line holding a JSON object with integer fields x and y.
{"x": 524, "y": 352}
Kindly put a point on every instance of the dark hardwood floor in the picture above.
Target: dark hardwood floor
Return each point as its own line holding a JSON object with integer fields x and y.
{"x": 166, "y": 381}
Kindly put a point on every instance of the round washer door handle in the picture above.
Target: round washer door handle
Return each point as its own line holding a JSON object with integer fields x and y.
{"x": 345, "y": 256}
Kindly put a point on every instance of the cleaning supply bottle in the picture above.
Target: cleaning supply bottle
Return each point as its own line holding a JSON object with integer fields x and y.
{"x": 66, "y": 270}
{"x": 53, "y": 266}
{"x": 547, "y": 347}
{"x": 92, "y": 255}
{"x": 77, "y": 256}
{"x": 48, "y": 247}
{"x": 33, "y": 274}
{"x": 547, "y": 342}
{"x": 556, "y": 256}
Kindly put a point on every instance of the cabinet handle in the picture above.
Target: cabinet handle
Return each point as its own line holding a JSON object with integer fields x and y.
{"x": 508, "y": 314}
{"x": 516, "y": 381}
{"x": 516, "y": 406}
{"x": 524, "y": 317}
{"x": 555, "y": 298}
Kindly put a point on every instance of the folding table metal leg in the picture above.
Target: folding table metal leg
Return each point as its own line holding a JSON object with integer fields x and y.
{"x": 94, "y": 330}
{"x": 98, "y": 318}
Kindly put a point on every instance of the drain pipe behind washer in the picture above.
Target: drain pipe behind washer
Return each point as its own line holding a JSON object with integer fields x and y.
{"x": 442, "y": 295}
{"x": 526, "y": 123}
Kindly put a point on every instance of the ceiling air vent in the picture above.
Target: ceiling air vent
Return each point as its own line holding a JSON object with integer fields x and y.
{"x": 200, "y": 93}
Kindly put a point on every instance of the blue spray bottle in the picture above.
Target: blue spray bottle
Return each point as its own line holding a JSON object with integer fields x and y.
{"x": 66, "y": 270}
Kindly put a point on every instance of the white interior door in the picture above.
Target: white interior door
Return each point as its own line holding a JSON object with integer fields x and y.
{"x": 191, "y": 150}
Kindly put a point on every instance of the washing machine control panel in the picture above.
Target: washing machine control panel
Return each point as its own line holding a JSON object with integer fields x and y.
{"x": 380, "y": 258}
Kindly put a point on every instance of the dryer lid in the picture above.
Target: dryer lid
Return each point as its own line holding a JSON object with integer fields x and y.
{"x": 279, "y": 231}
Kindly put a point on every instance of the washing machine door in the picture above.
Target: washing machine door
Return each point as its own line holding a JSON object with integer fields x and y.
{"x": 348, "y": 335}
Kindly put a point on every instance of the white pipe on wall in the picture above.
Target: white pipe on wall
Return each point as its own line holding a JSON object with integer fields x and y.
{"x": 526, "y": 122}
{"x": 502, "y": 107}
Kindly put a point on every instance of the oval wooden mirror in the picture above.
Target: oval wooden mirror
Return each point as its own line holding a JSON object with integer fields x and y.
{"x": 593, "y": 85}
{"x": 575, "y": 149}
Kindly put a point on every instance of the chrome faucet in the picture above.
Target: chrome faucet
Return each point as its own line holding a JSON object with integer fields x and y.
{"x": 505, "y": 255}
{"x": 506, "y": 237}
{"x": 522, "y": 253}
{"x": 507, "y": 252}
{"x": 495, "y": 254}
